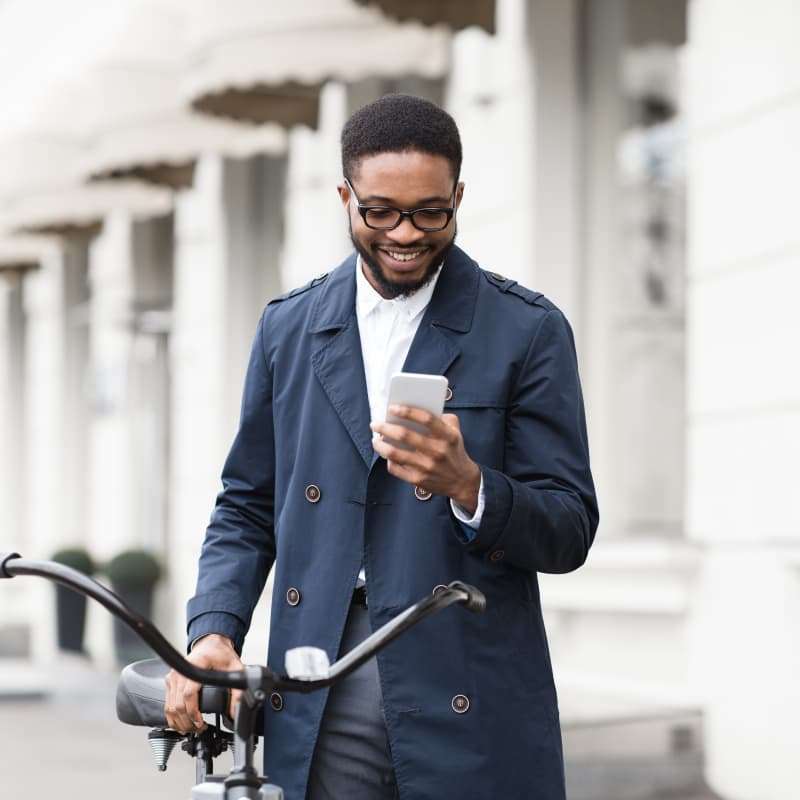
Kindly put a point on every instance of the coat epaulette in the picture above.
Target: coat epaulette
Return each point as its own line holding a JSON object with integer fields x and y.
{"x": 300, "y": 289}
{"x": 510, "y": 286}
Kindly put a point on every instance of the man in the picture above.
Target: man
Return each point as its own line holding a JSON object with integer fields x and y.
{"x": 496, "y": 490}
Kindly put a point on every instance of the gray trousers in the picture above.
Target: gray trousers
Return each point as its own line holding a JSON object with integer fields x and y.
{"x": 352, "y": 758}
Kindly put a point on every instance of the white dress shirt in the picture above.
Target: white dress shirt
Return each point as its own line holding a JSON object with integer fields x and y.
{"x": 387, "y": 328}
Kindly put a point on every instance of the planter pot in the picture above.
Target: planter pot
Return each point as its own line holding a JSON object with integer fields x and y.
{"x": 70, "y": 619}
{"x": 127, "y": 645}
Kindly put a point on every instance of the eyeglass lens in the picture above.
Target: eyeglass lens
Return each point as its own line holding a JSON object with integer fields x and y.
{"x": 424, "y": 218}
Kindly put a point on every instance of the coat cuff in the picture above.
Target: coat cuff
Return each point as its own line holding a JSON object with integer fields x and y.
{"x": 469, "y": 525}
{"x": 226, "y": 612}
{"x": 216, "y": 622}
{"x": 497, "y": 509}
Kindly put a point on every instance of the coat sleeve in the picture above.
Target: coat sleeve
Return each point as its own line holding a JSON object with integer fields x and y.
{"x": 541, "y": 510}
{"x": 239, "y": 546}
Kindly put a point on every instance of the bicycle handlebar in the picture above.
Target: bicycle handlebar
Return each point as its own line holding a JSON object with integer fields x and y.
{"x": 256, "y": 677}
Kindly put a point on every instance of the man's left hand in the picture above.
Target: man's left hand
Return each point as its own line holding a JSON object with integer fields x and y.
{"x": 437, "y": 461}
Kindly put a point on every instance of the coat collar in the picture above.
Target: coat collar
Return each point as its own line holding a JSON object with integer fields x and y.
{"x": 337, "y": 299}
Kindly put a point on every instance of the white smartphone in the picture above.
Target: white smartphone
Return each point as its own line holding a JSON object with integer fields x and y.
{"x": 418, "y": 390}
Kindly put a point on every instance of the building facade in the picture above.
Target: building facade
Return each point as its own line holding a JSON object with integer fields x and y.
{"x": 168, "y": 169}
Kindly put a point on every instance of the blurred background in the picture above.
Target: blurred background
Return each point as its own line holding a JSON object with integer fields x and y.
{"x": 167, "y": 166}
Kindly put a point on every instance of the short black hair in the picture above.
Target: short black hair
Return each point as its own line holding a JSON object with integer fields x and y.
{"x": 397, "y": 123}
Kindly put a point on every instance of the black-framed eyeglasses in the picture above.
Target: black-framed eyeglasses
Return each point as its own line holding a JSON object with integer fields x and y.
{"x": 387, "y": 218}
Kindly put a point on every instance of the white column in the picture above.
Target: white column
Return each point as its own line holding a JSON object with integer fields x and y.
{"x": 491, "y": 96}
{"x": 112, "y": 487}
{"x": 152, "y": 245}
{"x": 744, "y": 388}
{"x": 12, "y": 451}
{"x": 55, "y": 479}
{"x": 557, "y": 257}
{"x": 111, "y": 517}
{"x": 15, "y": 613}
{"x": 226, "y": 268}
{"x": 316, "y": 237}
{"x": 637, "y": 585}
{"x": 131, "y": 282}
{"x": 604, "y": 121}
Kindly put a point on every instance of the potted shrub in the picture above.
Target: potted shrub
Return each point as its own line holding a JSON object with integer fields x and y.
{"x": 71, "y": 606}
{"x": 133, "y": 575}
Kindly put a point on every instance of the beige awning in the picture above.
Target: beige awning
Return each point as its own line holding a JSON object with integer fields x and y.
{"x": 162, "y": 148}
{"x": 81, "y": 209}
{"x": 19, "y": 253}
{"x": 44, "y": 129}
{"x": 41, "y": 189}
{"x": 139, "y": 125}
{"x": 259, "y": 61}
{"x": 457, "y": 14}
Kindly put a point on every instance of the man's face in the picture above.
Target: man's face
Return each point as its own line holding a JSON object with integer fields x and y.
{"x": 402, "y": 260}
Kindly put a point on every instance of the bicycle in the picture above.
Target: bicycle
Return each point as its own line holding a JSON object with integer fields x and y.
{"x": 140, "y": 691}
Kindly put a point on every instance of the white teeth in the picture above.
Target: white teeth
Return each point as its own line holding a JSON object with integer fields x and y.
{"x": 402, "y": 256}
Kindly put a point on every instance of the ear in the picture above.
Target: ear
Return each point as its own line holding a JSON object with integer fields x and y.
{"x": 344, "y": 193}
{"x": 459, "y": 193}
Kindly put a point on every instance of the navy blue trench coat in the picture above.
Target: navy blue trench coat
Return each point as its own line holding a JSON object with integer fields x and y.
{"x": 303, "y": 489}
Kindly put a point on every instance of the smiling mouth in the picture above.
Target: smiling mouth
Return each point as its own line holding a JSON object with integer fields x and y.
{"x": 400, "y": 256}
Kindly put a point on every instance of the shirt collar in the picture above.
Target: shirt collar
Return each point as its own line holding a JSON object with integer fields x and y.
{"x": 367, "y": 299}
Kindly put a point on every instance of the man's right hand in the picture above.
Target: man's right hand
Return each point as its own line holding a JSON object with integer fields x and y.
{"x": 181, "y": 701}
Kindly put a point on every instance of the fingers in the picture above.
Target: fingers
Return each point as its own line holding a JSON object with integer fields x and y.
{"x": 182, "y": 696}
{"x": 436, "y": 424}
{"x": 236, "y": 696}
{"x": 410, "y": 458}
{"x": 416, "y": 458}
{"x": 170, "y": 706}
{"x": 191, "y": 701}
{"x": 399, "y": 433}
{"x": 444, "y": 434}
{"x": 408, "y": 474}
{"x": 178, "y": 691}
{"x": 452, "y": 420}
{"x": 168, "y": 701}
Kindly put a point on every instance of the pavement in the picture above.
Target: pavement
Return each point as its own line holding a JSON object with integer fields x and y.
{"x": 66, "y": 742}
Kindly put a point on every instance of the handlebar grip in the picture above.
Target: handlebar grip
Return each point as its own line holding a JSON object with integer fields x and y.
{"x": 214, "y": 700}
{"x": 4, "y": 559}
{"x": 476, "y": 599}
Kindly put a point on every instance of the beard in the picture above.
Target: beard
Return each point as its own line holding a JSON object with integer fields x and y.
{"x": 391, "y": 289}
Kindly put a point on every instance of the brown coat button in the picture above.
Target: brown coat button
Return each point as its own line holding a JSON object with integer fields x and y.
{"x": 497, "y": 555}
{"x": 276, "y": 701}
{"x": 460, "y": 704}
{"x": 292, "y": 596}
{"x": 448, "y": 395}
{"x": 438, "y": 588}
{"x": 313, "y": 493}
{"x": 422, "y": 494}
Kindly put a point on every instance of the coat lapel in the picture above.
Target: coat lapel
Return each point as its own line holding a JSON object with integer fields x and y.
{"x": 452, "y": 307}
{"x": 337, "y": 359}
